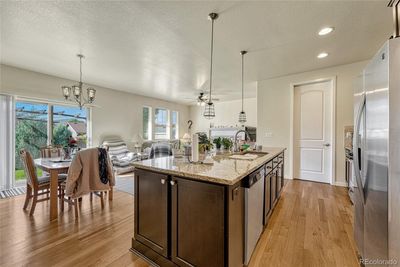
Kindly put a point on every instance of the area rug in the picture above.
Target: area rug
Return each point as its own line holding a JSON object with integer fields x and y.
{"x": 12, "y": 192}
{"x": 124, "y": 184}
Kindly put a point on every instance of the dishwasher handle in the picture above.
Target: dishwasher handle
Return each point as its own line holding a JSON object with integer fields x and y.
{"x": 254, "y": 177}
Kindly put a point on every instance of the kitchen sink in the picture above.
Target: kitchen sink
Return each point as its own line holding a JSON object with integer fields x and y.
{"x": 248, "y": 155}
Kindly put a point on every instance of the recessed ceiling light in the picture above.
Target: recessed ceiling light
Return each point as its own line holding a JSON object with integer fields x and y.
{"x": 322, "y": 55}
{"x": 325, "y": 31}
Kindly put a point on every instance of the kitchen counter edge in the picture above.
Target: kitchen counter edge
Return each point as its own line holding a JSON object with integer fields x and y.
{"x": 272, "y": 153}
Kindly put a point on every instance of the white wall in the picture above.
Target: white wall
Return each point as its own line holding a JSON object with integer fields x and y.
{"x": 274, "y": 105}
{"x": 118, "y": 113}
{"x": 227, "y": 114}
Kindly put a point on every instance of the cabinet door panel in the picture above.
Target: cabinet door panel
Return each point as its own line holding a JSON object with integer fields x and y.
{"x": 273, "y": 188}
{"x": 151, "y": 210}
{"x": 281, "y": 177}
{"x": 197, "y": 223}
{"x": 267, "y": 198}
{"x": 283, "y": 172}
{"x": 278, "y": 180}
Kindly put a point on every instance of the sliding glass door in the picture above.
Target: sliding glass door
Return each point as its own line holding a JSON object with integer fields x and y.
{"x": 31, "y": 122}
{"x": 40, "y": 124}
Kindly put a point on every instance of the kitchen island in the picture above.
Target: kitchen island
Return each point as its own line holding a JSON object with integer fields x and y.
{"x": 193, "y": 214}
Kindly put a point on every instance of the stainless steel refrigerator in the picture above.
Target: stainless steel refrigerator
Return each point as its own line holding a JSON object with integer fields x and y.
{"x": 376, "y": 156}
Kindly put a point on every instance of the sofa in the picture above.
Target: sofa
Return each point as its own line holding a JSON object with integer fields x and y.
{"x": 120, "y": 155}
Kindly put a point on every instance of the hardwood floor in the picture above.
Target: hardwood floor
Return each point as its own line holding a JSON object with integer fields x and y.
{"x": 98, "y": 238}
{"x": 311, "y": 226}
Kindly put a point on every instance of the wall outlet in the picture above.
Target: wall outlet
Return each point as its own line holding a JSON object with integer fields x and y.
{"x": 268, "y": 134}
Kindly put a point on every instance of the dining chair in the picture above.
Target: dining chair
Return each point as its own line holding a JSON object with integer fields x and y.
{"x": 35, "y": 186}
{"x": 100, "y": 193}
{"x": 51, "y": 151}
{"x": 75, "y": 201}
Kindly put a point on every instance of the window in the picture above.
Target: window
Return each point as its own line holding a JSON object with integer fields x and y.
{"x": 161, "y": 124}
{"x": 174, "y": 125}
{"x": 40, "y": 124}
{"x": 146, "y": 123}
{"x": 164, "y": 125}
{"x": 69, "y": 122}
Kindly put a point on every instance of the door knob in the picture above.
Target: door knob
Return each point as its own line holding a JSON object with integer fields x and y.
{"x": 173, "y": 182}
{"x": 327, "y": 144}
{"x": 162, "y": 181}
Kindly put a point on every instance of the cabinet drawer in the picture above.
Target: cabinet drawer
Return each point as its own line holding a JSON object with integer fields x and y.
{"x": 268, "y": 167}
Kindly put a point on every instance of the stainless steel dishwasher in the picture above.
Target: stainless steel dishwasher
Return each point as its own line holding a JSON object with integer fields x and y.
{"x": 254, "y": 211}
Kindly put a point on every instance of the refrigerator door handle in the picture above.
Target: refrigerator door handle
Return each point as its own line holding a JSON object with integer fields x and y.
{"x": 356, "y": 162}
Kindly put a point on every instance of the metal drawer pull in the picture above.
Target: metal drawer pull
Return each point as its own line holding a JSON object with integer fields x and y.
{"x": 162, "y": 181}
{"x": 172, "y": 182}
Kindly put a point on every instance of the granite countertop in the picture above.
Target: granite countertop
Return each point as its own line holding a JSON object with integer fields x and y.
{"x": 224, "y": 170}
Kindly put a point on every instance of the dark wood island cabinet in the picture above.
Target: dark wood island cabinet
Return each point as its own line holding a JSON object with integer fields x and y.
{"x": 183, "y": 219}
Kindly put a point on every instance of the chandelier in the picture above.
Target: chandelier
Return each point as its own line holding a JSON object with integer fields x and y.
{"x": 77, "y": 90}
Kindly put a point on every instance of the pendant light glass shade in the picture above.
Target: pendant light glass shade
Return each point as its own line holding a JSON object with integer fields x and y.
{"x": 242, "y": 114}
{"x": 91, "y": 94}
{"x": 209, "y": 111}
{"x": 66, "y": 90}
{"x": 242, "y": 117}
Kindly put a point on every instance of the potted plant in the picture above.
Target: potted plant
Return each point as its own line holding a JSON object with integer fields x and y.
{"x": 218, "y": 142}
{"x": 204, "y": 143}
{"x": 227, "y": 143}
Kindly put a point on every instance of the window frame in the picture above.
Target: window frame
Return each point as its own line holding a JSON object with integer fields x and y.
{"x": 152, "y": 135}
{"x": 177, "y": 125}
{"x": 50, "y": 105}
{"x": 167, "y": 127}
{"x": 150, "y": 129}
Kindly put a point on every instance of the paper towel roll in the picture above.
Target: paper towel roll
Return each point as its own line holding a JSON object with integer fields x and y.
{"x": 195, "y": 148}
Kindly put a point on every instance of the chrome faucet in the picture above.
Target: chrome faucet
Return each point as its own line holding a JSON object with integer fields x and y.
{"x": 235, "y": 147}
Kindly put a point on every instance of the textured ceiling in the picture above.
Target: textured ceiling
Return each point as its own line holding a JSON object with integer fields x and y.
{"x": 161, "y": 49}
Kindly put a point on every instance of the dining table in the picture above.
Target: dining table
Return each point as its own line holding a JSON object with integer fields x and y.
{"x": 54, "y": 167}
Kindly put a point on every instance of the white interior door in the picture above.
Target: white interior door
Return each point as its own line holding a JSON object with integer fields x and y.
{"x": 312, "y": 132}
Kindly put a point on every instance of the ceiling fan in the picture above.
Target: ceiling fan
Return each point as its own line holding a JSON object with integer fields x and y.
{"x": 202, "y": 99}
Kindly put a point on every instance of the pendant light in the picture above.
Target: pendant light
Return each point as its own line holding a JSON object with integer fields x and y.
{"x": 209, "y": 110}
{"x": 242, "y": 114}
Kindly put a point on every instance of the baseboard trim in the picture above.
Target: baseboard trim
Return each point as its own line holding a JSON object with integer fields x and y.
{"x": 343, "y": 184}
